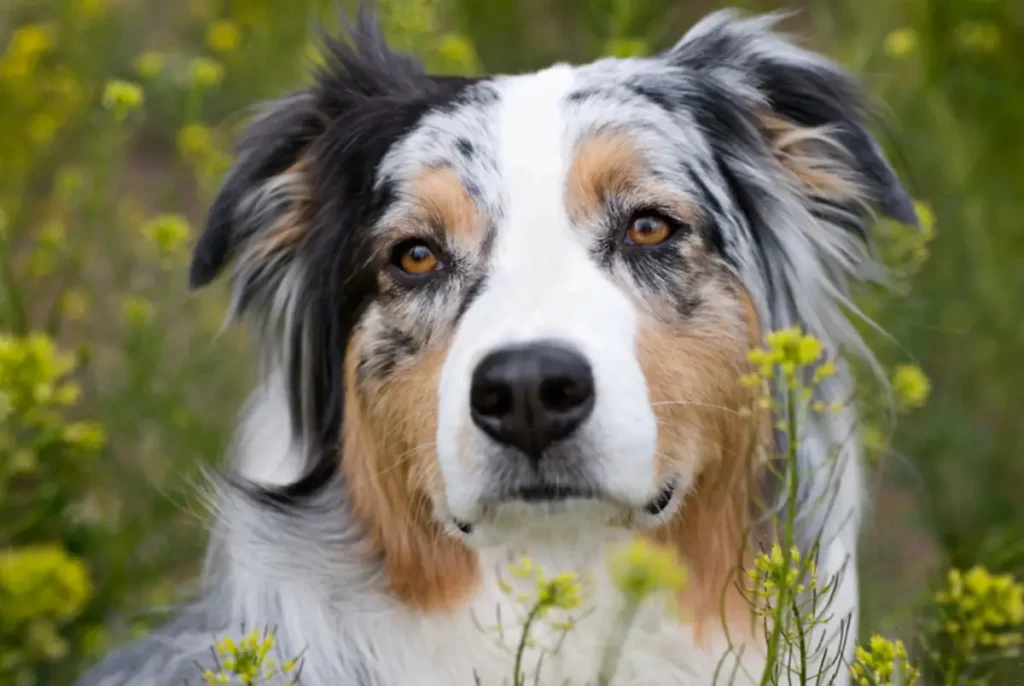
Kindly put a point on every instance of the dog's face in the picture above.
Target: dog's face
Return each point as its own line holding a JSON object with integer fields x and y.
{"x": 551, "y": 280}
{"x": 515, "y": 297}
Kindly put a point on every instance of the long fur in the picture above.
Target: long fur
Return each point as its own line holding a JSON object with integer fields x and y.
{"x": 768, "y": 142}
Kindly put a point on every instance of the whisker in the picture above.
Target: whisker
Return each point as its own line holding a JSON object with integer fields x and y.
{"x": 407, "y": 455}
{"x": 694, "y": 403}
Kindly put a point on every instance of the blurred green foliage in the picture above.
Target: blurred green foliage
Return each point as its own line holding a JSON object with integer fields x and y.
{"x": 117, "y": 118}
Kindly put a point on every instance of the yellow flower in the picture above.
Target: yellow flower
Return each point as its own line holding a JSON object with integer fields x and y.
{"x": 122, "y": 98}
{"x": 642, "y": 568}
{"x": 523, "y": 567}
{"x": 808, "y": 350}
{"x": 248, "y": 659}
{"x": 790, "y": 351}
{"x": 149, "y": 64}
{"x": 194, "y": 140}
{"x": 926, "y": 218}
{"x": 825, "y": 370}
{"x": 168, "y": 232}
{"x": 136, "y": 311}
{"x": 980, "y": 611}
{"x": 31, "y": 40}
{"x": 205, "y": 73}
{"x": 775, "y": 573}
{"x": 74, "y": 303}
{"x": 901, "y": 42}
{"x": 564, "y": 591}
{"x": 223, "y": 36}
{"x": 911, "y": 386}
{"x": 882, "y": 663}
{"x": 42, "y": 582}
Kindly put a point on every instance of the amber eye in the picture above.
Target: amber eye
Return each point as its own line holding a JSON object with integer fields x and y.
{"x": 415, "y": 258}
{"x": 648, "y": 229}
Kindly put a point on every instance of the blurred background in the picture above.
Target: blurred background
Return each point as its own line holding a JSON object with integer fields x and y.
{"x": 116, "y": 384}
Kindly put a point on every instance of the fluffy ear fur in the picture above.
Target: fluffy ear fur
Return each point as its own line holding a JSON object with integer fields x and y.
{"x": 260, "y": 211}
{"x": 790, "y": 140}
{"x": 809, "y": 111}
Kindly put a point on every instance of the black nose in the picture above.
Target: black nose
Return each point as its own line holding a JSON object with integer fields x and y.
{"x": 530, "y": 396}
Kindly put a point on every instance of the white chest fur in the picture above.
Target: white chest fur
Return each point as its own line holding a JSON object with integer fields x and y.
{"x": 402, "y": 647}
{"x": 373, "y": 641}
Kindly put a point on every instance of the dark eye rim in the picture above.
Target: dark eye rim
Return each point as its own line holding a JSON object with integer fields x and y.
{"x": 675, "y": 227}
{"x": 394, "y": 266}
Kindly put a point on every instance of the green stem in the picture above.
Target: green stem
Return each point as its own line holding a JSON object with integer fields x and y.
{"x": 793, "y": 485}
{"x": 610, "y": 659}
{"x": 802, "y": 635}
{"x": 518, "y": 679}
{"x": 953, "y": 673}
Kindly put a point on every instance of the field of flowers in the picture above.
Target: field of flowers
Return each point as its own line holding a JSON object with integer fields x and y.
{"x": 117, "y": 385}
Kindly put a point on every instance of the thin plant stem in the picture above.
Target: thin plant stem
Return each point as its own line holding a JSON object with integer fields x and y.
{"x": 517, "y": 675}
{"x": 611, "y": 657}
{"x": 793, "y": 484}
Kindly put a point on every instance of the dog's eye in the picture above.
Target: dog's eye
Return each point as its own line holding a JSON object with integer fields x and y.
{"x": 415, "y": 258}
{"x": 648, "y": 229}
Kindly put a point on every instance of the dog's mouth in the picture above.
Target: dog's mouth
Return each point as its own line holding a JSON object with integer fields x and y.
{"x": 659, "y": 503}
{"x": 547, "y": 494}
{"x": 552, "y": 493}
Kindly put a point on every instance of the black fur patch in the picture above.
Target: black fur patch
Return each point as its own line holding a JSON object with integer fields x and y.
{"x": 390, "y": 348}
{"x": 465, "y": 148}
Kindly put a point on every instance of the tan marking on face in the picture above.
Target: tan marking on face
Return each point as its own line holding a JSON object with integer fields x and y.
{"x": 693, "y": 374}
{"x": 813, "y": 157}
{"x": 443, "y": 200}
{"x": 607, "y": 165}
{"x": 391, "y": 470}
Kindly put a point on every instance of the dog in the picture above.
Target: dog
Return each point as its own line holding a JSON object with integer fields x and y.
{"x": 507, "y": 316}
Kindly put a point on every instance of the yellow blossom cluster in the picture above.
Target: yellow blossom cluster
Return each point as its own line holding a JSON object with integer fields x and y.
{"x": 122, "y": 98}
{"x": 789, "y": 355}
{"x": 642, "y": 568}
{"x": 563, "y": 591}
{"x": 168, "y": 233}
{"x": 789, "y": 351}
{"x": 42, "y": 586}
{"x": 774, "y": 571}
{"x": 247, "y": 661}
{"x": 883, "y": 663}
{"x": 981, "y": 614}
{"x": 910, "y": 386}
{"x": 34, "y": 391}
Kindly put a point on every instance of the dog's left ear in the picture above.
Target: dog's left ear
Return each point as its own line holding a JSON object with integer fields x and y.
{"x": 262, "y": 194}
{"x": 807, "y": 110}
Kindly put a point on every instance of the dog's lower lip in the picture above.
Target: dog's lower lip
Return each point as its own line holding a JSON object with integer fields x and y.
{"x": 549, "y": 493}
{"x": 662, "y": 500}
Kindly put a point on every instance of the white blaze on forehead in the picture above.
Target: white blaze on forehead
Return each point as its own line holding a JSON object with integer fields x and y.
{"x": 543, "y": 284}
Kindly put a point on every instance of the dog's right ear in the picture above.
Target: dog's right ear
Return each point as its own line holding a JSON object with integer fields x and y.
{"x": 258, "y": 216}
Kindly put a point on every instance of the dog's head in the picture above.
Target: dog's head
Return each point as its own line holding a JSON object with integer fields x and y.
{"x": 499, "y": 298}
